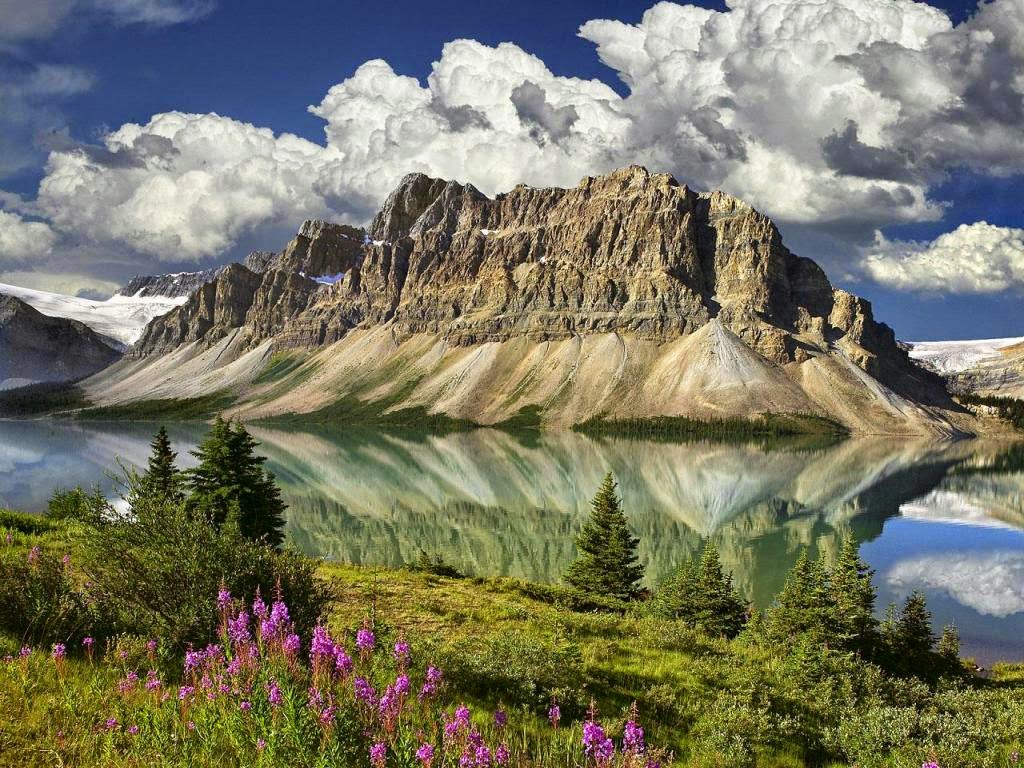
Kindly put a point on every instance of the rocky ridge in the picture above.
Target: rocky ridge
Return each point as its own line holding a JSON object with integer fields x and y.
{"x": 631, "y": 261}
{"x": 38, "y": 348}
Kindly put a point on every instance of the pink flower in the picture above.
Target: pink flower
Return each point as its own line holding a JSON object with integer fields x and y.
{"x": 112, "y": 724}
{"x": 133, "y": 729}
{"x": 223, "y": 598}
{"x": 260, "y": 745}
{"x": 378, "y": 754}
{"x": 500, "y": 718}
{"x": 501, "y": 755}
{"x": 425, "y": 754}
{"x": 59, "y": 651}
{"x": 365, "y": 640}
{"x": 274, "y": 694}
{"x": 555, "y": 715}
{"x": 33, "y": 555}
{"x": 245, "y": 706}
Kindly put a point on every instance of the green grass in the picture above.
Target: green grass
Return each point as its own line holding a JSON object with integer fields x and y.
{"x": 527, "y": 417}
{"x": 769, "y": 426}
{"x": 39, "y": 399}
{"x": 174, "y": 409}
{"x": 349, "y": 410}
{"x": 714, "y": 702}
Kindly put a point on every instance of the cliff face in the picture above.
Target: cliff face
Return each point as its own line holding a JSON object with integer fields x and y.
{"x": 630, "y": 254}
{"x": 37, "y": 348}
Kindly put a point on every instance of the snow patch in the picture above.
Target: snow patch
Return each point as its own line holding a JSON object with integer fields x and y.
{"x": 330, "y": 279}
{"x": 120, "y": 318}
{"x": 956, "y": 356}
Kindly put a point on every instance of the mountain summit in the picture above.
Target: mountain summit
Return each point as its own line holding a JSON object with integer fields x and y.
{"x": 627, "y": 296}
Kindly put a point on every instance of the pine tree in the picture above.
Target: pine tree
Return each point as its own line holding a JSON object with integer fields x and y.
{"x": 719, "y": 608}
{"x": 949, "y": 644}
{"x": 607, "y": 562}
{"x": 854, "y": 626}
{"x": 913, "y": 630}
{"x": 162, "y": 477}
{"x": 231, "y": 473}
{"x": 802, "y": 605}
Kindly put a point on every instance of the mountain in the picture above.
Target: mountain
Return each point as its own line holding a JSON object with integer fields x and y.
{"x": 176, "y": 285}
{"x": 627, "y": 296}
{"x": 984, "y": 366}
{"x": 37, "y": 348}
{"x": 119, "y": 320}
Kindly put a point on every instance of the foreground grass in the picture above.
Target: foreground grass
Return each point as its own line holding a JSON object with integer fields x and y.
{"x": 519, "y": 646}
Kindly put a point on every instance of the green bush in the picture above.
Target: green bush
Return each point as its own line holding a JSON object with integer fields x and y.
{"x": 159, "y": 571}
{"x": 77, "y": 504}
{"x": 40, "y": 603}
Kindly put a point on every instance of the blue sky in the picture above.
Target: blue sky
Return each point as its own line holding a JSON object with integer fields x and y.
{"x": 907, "y": 145}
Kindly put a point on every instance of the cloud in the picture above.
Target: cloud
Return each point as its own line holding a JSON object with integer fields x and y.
{"x": 973, "y": 258}
{"x": 837, "y": 117}
{"x": 990, "y": 583}
{"x": 24, "y": 242}
{"x": 182, "y": 186}
{"x": 38, "y": 19}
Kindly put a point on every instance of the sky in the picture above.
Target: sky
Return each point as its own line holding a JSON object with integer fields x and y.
{"x": 884, "y": 137}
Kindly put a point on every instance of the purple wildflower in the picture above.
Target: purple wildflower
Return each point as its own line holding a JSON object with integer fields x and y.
{"x": 223, "y": 598}
{"x": 462, "y": 715}
{"x": 321, "y": 647}
{"x": 238, "y": 628}
{"x": 402, "y": 684}
{"x": 133, "y": 729}
{"x": 260, "y": 745}
{"x": 151, "y": 646}
{"x": 378, "y": 753}
{"x": 59, "y": 651}
{"x": 245, "y": 706}
{"x": 466, "y": 760}
{"x": 33, "y": 555}
{"x": 274, "y": 695}
{"x": 152, "y": 681}
{"x": 191, "y": 725}
{"x": 185, "y": 691}
{"x": 554, "y": 715}
{"x": 482, "y": 758}
{"x": 292, "y": 644}
{"x": 365, "y": 640}
{"x": 930, "y": 764}
{"x": 364, "y": 691}
{"x": 25, "y": 652}
{"x": 259, "y": 608}
{"x": 596, "y": 744}
{"x": 112, "y": 724}
{"x": 425, "y": 754}
{"x": 9, "y": 538}
{"x": 66, "y": 560}
{"x": 500, "y": 717}
{"x": 501, "y": 755}
{"x": 633, "y": 736}
{"x": 402, "y": 652}
{"x": 193, "y": 660}
{"x": 128, "y": 684}
{"x": 342, "y": 661}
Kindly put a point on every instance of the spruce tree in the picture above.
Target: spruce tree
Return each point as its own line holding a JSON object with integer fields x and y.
{"x": 230, "y": 473}
{"x": 949, "y": 645}
{"x": 719, "y": 608}
{"x": 913, "y": 631}
{"x": 854, "y": 626}
{"x": 607, "y": 562}
{"x": 162, "y": 478}
{"x": 802, "y": 605}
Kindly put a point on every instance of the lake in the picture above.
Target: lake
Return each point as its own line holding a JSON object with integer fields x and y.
{"x": 943, "y": 518}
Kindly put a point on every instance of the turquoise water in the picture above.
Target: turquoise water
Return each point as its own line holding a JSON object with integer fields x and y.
{"x": 945, "y": 518}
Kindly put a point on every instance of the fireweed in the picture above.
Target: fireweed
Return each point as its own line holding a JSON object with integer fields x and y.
{"x": 265, "y": 697}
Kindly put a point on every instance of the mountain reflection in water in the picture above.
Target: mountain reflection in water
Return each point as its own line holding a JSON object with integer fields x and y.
{"x": 946, "y": 518}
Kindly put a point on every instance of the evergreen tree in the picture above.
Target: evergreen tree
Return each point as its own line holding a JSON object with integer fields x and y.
{"x": 913, "y": 631}
{"x": 607, "y": 563}
{"x": 162, "y": 477}
{"x": 804, "y": 604}
{"x": 230, "y": 473}
{"x": 719, "y": 608}
{"x": 949, "y": 645}
{"x": 701, "y": 594}
{"x": 854, "y": 626}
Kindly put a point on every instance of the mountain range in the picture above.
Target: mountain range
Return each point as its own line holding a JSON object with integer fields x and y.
{"x": 629, "y": 296}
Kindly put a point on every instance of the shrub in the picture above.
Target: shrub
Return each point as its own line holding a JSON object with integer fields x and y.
{"x": 77, "y": 504}
{"x": 40, "y": 602}
{"x": 158, "y": 570}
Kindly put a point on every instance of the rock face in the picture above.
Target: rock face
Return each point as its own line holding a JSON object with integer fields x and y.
{"x": 632, "y": 254}
{"x": 170, "y": 285}
{"x": 37, "y": 348}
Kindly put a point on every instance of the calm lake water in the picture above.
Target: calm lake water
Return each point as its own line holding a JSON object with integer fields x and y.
{"x": 944, "y": 518}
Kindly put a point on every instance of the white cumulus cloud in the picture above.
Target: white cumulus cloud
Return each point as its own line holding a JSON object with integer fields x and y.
{"x": 991, "y": 583}
{"x": 840, "y": 116}
{"x": 24, "y": 242}
{"x": 973, "y": 258}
